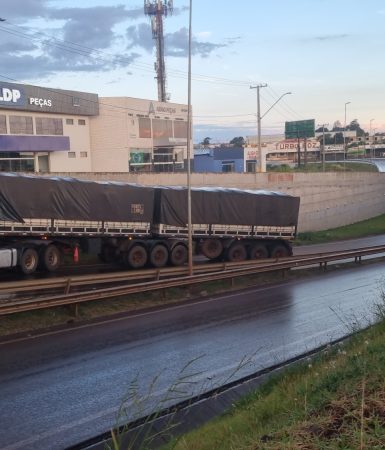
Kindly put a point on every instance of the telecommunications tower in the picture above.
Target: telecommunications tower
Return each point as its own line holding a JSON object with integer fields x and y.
{"x": 157, "y": 9}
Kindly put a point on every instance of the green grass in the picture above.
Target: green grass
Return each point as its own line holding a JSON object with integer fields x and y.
{"x": 338, "y": 166}
{"x": 369, "y": 227}
{"x": 334, "y": 401}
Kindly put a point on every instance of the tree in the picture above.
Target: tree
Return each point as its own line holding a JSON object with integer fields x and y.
{"x": 355, "y": 126}
{"x": 321, "y": 129}
{"x": 206, "y": 141}
{"x": 237, "y": 142}
{"x": 337, "y": 126}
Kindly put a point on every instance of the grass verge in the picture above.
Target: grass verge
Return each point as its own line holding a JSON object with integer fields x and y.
{"x": 370, "y": 227}
{"x": 333, "y": 401}
{"x": 335, "y": 166}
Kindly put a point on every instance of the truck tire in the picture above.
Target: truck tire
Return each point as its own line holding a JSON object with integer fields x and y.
{"x": 29, "y": 261}
{"x": 50, "y": 258}
{"x": 107, "y": 254}
{"x": 258, "y": 251}
{"x": 279, "y": 251}
{"x": 236, "y": 252}
{"x": 211, "y": 248}
{"x": 178, "y": 255}
{"x": 136, "y": 257}
{"x": 158, "y": 256}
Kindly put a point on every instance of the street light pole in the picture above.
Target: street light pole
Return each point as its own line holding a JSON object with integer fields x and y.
{"x": 258, "y": 166}
{"x": 189, "y": 215}
{"x": 370, "y": 138}
{"x": 347, "y": 103}
{"x": 258, "y": 163}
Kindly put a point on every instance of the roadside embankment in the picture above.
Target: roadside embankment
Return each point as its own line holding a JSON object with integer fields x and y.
{"x": 335, "y": 400}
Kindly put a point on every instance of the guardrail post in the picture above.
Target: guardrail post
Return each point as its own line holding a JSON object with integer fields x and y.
{"x": 74, "y": 309}
{"x": 67, "y": 287}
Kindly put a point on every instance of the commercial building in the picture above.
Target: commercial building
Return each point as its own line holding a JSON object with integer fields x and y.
{"x": 132, "y": 134}
{"x": 45, "y": 130}
{"x": 219, "y": 159}
{"x": 56, "y": 130}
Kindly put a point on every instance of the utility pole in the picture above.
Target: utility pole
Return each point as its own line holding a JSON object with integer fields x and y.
{"x": 323, "y": 144}
{"x": 347, "y": 103}
{"x": 371, "y": 150}
{"x": 258, "y": 165}
{"x": 156, "y": 9}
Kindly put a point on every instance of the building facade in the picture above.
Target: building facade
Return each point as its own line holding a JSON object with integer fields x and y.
{"x": 55, "y": 130}
{"x": 45, "y": 130}
{"x": 139, "y": 135}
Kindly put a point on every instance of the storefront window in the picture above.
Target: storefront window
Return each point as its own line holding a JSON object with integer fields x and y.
{"x": 49, "y": 126}
{"x": 162, "y": 128}
{"x": 16, "y": 162}
{"x": 144, "y": 127}
{"x": 20, "y": 125}
{"x": 3, "y": 125}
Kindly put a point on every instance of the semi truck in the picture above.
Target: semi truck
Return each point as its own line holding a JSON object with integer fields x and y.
{"x": 44, "y": 218}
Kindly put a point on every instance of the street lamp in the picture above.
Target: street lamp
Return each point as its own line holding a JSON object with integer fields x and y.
{"x": 189, "y": 215}
{"x": 258, "y": 165}
{"x": 373, "y": 141}
{"x": 347, "y": 103}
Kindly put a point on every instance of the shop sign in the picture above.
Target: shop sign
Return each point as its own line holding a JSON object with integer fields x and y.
{"x": 10, "y": 96}
{"x": 40, "y": 102}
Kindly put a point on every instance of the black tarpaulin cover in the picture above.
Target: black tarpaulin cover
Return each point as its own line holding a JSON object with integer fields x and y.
{"x": 34, "y": 197}
{"x": 225, "y": 206}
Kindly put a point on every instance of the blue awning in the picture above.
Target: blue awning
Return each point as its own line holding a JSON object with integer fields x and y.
{"x": 34, "y": 143}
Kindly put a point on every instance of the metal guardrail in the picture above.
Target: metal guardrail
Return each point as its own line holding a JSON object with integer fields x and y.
{"x": 173, "y": 277}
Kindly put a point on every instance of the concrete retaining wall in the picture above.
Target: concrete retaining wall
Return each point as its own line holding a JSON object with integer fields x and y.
{"x": 328, "y": 200}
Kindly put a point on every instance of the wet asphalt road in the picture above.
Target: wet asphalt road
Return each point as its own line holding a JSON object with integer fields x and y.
{"x": 59, "y": 389}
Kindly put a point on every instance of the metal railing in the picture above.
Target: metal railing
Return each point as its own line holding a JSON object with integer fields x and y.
{"x": 156, "y": 279}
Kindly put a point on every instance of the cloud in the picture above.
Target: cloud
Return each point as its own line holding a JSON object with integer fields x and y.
{"x": 140, "y": 36}
{"x": 330, "y": 37}
{"x": 176, "y": 44}
{"x": 13, "y": 10}
{"x": 81, "y": 39}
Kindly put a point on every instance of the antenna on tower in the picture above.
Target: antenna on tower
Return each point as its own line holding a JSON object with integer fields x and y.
{"x": 156, "y": 9}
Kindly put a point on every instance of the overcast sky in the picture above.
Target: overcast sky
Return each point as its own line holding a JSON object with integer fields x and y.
{"x": 326, "y": 52}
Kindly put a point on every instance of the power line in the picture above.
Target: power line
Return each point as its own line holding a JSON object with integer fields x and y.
{"x": 82, "y": 50}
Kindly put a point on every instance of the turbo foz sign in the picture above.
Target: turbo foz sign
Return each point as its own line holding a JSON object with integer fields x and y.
{"x": 9, "y": 95}
{"x": 40, "y": 102}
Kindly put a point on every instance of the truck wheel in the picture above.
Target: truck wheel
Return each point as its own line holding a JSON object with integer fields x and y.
{"x": 236, "y": 252}
{"x": 178, "y": 255}
{"x": 29, "y": 261}
{"x": 107, "y": 254}
{"x": 51, "y": 258}
{"x": 158, "y": 255}
{"x": 279, "y": 251}
{"x": 258, "y": 251}
{"x": 136, "y": 257}
{"x": 211, "y": 248}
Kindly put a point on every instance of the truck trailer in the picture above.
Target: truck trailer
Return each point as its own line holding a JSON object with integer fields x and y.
{"x": 44, "y": 218}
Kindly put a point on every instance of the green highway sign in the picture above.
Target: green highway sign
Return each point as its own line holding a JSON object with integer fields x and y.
{"x": 300, "y": 129}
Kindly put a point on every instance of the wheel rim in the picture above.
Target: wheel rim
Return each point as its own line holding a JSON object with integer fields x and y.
{"x": 159, "y": 256}
{"x": 137, "y": 257}
{"x": 178, "y": 255}
{"x": 259, "y": 252}
{"x": 237, "y": 253}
